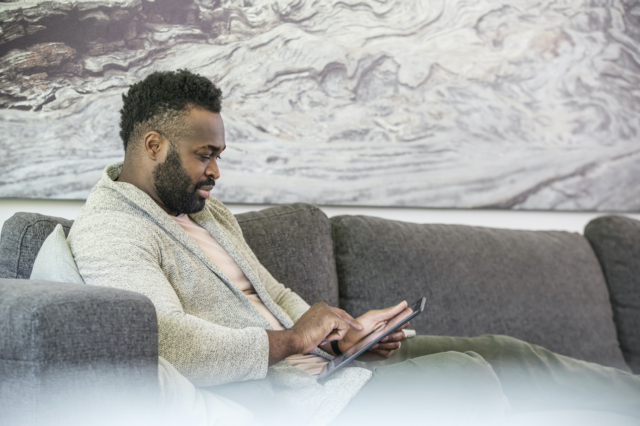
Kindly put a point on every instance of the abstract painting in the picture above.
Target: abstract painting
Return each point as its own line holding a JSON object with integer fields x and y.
{"x": 460, "y": 104}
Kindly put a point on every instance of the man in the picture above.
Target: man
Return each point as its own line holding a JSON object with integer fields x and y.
{"x": 151, "y": 226}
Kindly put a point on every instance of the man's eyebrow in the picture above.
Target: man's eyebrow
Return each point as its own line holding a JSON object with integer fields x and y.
{"x": 213, "y": 148}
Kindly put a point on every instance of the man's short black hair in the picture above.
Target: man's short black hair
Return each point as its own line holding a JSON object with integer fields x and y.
{"x": 160, "y": 101}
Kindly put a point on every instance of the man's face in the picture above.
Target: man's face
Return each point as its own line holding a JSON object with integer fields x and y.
{"x": 186, "y": 177}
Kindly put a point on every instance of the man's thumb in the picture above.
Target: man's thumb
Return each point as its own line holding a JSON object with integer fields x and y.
{"x": 392, "y": 311}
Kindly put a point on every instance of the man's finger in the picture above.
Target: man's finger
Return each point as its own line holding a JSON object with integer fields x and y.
{"x": 396, "y": 336}
{"x": 387, "y": 346}
{"x": 388, "y": 313}
{"x": 354, "y": 323}
{"x": 334, "y": 335}
{"x": 348, "y": 318}
{"x": 341, "y": 312}
{"x": 385, "y": 353}
{"x": 340, "y": 330}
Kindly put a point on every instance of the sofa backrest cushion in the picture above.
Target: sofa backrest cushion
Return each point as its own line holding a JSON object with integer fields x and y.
{"x": 616, "y": 241}
{"x": 21, "y": 239}
{"x": 546, "y": 288}
{"x": 294, "y": 243}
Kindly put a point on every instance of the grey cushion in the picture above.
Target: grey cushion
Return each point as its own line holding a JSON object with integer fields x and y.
{"x": 294, "y": 243}
{"x": 60, "y": 341}
{"x": 546, "y": 288}
{"x": 21, "y": 238}
{"x": 616, "y": 241}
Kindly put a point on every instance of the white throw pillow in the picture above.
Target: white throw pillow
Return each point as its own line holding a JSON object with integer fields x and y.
{"x": 55, "y": 261}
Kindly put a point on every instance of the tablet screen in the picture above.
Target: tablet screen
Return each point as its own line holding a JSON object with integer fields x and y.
{"x": 372, "y": 338}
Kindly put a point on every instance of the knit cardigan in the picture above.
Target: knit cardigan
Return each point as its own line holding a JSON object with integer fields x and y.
{"x": 208, "y": 329}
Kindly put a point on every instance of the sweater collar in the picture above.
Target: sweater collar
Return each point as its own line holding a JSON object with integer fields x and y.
{"x": 141, "y": 200}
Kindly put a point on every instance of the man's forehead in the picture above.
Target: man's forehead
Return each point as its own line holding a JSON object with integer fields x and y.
{"x": 206, "y": 129}
{"x": 203, "y": 121}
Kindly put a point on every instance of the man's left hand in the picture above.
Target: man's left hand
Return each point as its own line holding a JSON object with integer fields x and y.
{"x": 370, "y": 321}
{"x": 389, "y": 344}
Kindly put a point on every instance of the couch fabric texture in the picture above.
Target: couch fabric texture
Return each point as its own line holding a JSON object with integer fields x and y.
{"x": 546, "y": 288}
{"x": 543, "y": 287}
{"x": 22, "y": 237}
{"x": 616, "y": 241}
{"x": 294, "y": 243}
{"x": 68, "y": 340}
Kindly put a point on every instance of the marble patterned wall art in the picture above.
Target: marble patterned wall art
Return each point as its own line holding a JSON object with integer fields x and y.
{"x": 461, "y": 104}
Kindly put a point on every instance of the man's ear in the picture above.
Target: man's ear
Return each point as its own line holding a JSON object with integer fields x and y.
{"x": 154, "y": 145}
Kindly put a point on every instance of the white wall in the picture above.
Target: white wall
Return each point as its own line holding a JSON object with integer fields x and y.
{"x": 513, "y": 219}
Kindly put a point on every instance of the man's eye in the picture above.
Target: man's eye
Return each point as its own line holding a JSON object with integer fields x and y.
{"x": 219, "y": 158}
{"x": 204, "y": 157}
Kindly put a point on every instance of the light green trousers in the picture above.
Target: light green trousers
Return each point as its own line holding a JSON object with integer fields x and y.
{"x": 455, "y": 379}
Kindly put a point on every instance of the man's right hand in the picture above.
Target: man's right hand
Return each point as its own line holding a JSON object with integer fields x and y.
{"x": 321, "y": 324}
{"x": 318, "y": 325}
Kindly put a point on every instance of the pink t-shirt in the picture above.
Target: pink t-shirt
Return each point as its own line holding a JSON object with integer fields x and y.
{"x": 312, "y": 364}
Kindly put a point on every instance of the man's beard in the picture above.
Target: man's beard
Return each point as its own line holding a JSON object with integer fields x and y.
{"x": 174, "y": 186}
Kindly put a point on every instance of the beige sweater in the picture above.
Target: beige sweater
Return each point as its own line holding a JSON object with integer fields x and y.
{"x": 311, "y": 364}
{"x": 208, "y": 329}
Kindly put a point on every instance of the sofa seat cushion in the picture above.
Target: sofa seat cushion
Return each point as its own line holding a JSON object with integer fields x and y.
{"x": 616, "y": 241}
{"x": 546, "y": 288}
{"x": 294, "y": 243}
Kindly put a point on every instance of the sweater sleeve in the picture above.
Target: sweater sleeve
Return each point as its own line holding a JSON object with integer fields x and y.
{"x": 114, "y": 251}
{"x": 292, "y": 304}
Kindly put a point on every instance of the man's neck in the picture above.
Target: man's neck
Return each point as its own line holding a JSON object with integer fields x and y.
{"x": 128, "y": 175}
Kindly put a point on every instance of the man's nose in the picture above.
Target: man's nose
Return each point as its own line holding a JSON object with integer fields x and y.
{"x": 214, "y": 171}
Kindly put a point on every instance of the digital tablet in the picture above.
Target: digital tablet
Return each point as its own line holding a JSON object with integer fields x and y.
{"x": 371, "y": 339}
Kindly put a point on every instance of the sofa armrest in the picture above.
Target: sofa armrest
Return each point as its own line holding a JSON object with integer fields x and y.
{"x": 62, "y": 343}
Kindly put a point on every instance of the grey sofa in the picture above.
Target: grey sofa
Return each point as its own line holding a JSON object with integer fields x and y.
{"x": 576, "y": 295}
